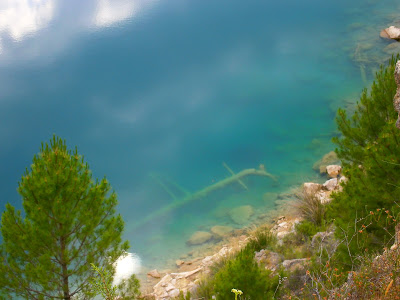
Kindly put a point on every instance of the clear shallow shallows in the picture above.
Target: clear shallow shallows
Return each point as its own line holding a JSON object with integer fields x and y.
{"x": 175, "y": 88}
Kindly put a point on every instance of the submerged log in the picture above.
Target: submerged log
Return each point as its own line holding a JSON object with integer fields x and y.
{"x": 202, "y": 193}
{"x": 157, "y": 178}
{"x": 233, "y": 173}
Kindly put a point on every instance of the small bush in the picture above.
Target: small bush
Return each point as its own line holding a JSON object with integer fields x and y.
{"x": 261, "y": 239}
{"x": 293, "y": 246}
{"x": 205, "y": 289}
{"x": 308, "y": 229}
{"x": 181, "y": 296}
{"x": 311, "y": 208}
{"x": 244, "y": 273}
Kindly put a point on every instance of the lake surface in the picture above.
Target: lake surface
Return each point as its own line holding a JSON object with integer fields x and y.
{"x": 160, "y": 93}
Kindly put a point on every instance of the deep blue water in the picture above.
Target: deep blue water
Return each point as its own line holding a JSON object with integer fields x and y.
{"x": 177, "y": 87}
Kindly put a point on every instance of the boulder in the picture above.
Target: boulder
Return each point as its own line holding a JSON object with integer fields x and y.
{"x": 310, "y": 188}
{"x": 170, "y": 285}
{"x": 173, "y": 293}
{"x": 161, "y": 286}
{"x": 154, "y": 273}
{"x": 333, "y": 170}
{"x": 295, "y": 264}
{"x": 324, "y": 196}
{"x": 331, "y": 184}
{"x": 210, "y": 260}
{"x": 199, "y": 237}
{"x": 241, "y": 215}
{"x": 383, "y": 34}
{"x": 328, "y": 159}
{"x": 268, "y": 259}
{"x": 283, "y": 227}
{"x": 282, "y": 234}
{"x": 221, "y": 231}
{"x": 391, "y": 33}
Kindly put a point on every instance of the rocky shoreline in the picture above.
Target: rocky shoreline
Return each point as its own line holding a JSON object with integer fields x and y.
{"x": 194, "y": 265}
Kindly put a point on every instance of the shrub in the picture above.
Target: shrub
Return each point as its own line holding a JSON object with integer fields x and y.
{"x": 311, "y": 208}
{"x": 244, "y": 273}
{"x": 378, "y": 278}
{"x": 182, "y": 296}
{"x": 262, "y": 238}
{"x": 308, "y": 229}
{"x": 369, "y": 149}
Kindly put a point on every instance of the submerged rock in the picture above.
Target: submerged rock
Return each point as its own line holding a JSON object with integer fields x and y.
{"x": 154, "y": 273}
{"x": 179, "y": 262}
{"x": 199, "y": 237}
{"x": 328, "y": 159}
{"x": 221, "y": 231}
{"x": 241, "y": 215}
{"x": 269, "y": 197}
{"x": 392, "y": 48}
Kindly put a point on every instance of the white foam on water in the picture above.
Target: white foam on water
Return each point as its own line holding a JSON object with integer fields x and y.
{"x": 125, "y": 266}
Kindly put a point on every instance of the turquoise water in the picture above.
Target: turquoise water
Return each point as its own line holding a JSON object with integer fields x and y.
{"x": 175, "y": 88}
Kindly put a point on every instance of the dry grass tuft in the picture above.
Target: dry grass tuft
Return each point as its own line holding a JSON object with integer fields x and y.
{"x": 310, "y": 207}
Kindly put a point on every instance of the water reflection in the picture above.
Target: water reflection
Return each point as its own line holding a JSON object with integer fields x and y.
{"x": 22, "y": 18}
{"x": 19, "y": 18}
{"x": 109, "y": 12}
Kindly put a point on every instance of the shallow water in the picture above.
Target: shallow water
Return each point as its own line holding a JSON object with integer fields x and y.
{"x": 172, "y": 89}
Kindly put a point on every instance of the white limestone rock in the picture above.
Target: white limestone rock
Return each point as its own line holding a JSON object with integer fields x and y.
{"x": 331, "y": 184}
{"x": 324, "y": 196}
{"x": 268, "y": 259}
{"x": 333, "y": 170}
{"x": 391, "y": 33}
{"x": 311, "y": 188}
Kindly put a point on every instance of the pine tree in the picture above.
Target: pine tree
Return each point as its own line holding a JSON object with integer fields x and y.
{"x": 69, "y": 221}
{"x": 369, "y": 148}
